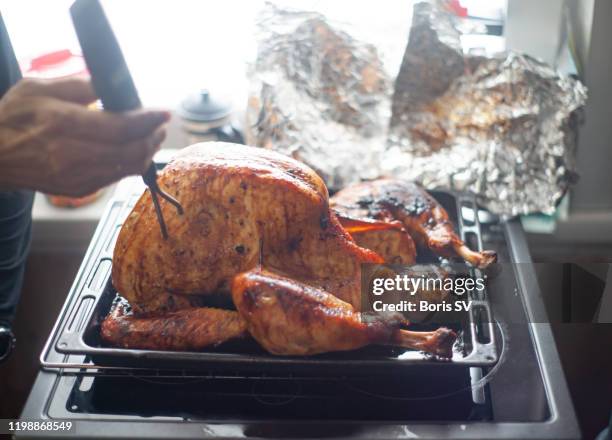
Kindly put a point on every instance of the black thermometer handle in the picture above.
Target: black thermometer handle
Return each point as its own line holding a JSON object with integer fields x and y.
{"x": 109, "y": 72}
{"x": 110, "y": 75}
{"x": 112, "y": 81}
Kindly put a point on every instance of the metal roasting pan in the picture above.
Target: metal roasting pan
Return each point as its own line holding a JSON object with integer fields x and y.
{"x": 77, "y": 329}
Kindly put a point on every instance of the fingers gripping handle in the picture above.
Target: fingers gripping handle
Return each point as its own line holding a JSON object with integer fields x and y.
{"x": 111, "y": 79}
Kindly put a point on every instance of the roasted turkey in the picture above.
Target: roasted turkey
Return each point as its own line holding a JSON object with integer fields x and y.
{"x": 237, "y": 200}
{"x": 256, "y": 225}
{"x": 394, "y": 200}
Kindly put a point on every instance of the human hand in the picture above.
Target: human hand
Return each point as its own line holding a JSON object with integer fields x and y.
{"x": 51, "y": 142}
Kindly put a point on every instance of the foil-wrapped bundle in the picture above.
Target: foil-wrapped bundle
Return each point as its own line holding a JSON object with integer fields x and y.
{"x": 502, "y": 128}
{"x": 319, "y": 95}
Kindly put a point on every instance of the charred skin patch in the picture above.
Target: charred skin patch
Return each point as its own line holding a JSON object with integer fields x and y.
{"x": 294, "y": 243}
{"x": 418, "y": 205}
{"x": 365, "y": 201}
{"x": 324, "y": 222}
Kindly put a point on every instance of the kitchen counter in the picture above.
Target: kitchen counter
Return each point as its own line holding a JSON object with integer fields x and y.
{"x": 65, "y": 229}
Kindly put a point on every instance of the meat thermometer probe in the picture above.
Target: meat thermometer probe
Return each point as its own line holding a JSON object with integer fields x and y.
{"x": 112, "y": 81}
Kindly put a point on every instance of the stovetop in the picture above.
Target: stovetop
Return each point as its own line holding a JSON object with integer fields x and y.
{"x": 523, "y": 396}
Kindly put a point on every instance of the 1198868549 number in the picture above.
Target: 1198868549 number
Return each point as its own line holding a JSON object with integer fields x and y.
{"x": 39, "y": 425}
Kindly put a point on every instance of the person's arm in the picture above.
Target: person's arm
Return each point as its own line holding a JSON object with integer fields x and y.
{"x": 51, "y": 142}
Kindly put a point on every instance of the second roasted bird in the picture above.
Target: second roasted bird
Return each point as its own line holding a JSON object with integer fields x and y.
{"x": 367, "y": 208}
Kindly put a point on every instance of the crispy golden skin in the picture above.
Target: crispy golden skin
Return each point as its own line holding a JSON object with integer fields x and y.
{"x": 236, "y": 200}
{"x": 423, "y": 217}
{"x": 291, "y": 318}
{"x": 187, "y": 329}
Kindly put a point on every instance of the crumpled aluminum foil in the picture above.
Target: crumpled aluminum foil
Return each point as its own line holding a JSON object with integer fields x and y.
{"x": 319, "y": 95}
{"x": 502, "y": 128}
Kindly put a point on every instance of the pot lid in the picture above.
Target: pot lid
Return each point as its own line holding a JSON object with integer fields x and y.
{"x": 202, "y": 107}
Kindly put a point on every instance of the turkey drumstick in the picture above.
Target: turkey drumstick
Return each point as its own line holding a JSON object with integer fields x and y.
{"x": 422, "y": 216}
{"x": 186, "y": 329}
{"x": 290, "y": 318}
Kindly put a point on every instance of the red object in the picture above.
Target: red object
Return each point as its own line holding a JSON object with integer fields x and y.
{"x": 44, "y": 61}
{"x": 59, "y": 64}
{"x": 457, "y": 9}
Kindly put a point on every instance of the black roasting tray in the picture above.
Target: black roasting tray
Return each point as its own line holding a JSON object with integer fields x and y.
{"x": 78, "y": 331}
